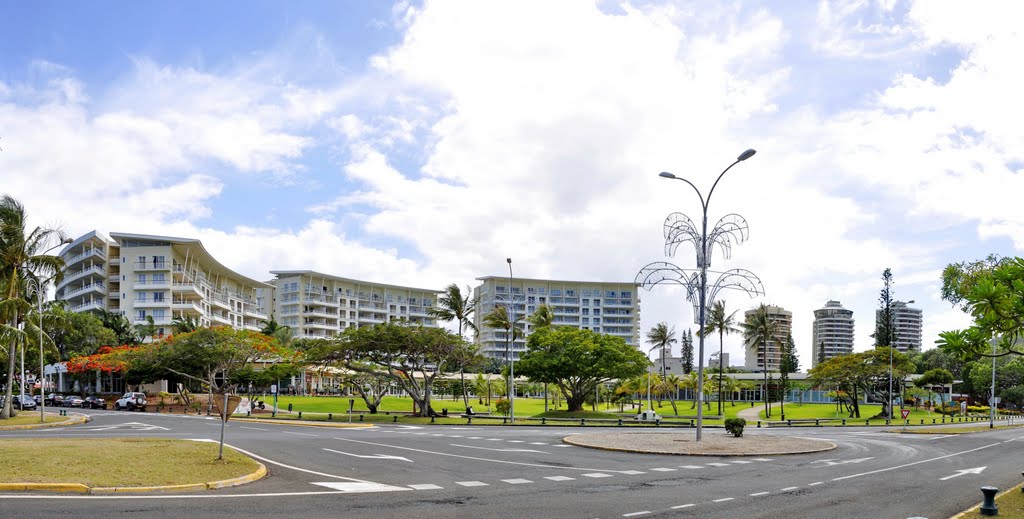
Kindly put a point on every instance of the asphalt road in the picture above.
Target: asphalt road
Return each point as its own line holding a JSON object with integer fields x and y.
{"x": 501, "y": 471}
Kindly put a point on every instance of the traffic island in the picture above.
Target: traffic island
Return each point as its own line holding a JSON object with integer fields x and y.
{"x": 712, "y": 443}
{"x": 116, "y": 465}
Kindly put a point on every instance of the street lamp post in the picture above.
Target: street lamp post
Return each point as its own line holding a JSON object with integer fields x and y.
{"x": 510, "y": 355}
{"x": 892, "y": 335}
{"x": 992, "y": 399}
{"x": 702, "y": 265}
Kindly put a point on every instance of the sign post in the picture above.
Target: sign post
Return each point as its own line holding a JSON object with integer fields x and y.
{"x": 225, "y": 410}
{"x": 905, "y": 413}
{"x": 351, "y": 404}
{"x": 273, "y": 390}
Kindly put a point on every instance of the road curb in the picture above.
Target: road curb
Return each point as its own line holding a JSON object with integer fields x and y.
{"x": 713, "y": 454}
{"x": 74, "y": 420}
{"x": 74, "y": 488}
{"x": 241, "y": 480}
{"x": 965, "y": 513}
{"x": 306, "y": 423}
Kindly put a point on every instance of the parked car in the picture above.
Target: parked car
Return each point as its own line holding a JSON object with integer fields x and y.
{"x": 131, "y": 401}
{"x": 54, "y": 399}
{"x": 24, "y": 405}
{"x": 38, "y": 399}
{"x": 72, "y": 401}
{"x": 94, "y": 402}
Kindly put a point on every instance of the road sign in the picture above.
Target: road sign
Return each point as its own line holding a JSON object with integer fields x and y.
{"x": 273, "y": 389}
{"x": 218, "y": 402}
{"x": 905, "y": 413}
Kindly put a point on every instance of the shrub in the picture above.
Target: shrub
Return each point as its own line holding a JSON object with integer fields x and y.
{"x": 735, "y": 426}
{"x": 502, "y": 406}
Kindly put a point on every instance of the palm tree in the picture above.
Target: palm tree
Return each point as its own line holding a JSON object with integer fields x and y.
{"x": 758, "y": 330}
{"x": 724, "y": 324}
{"x": 184, "y": 324}
{"x": 542, "y": 317}
{"x": 670, "y": 384}
{"x": 22, "y": 255}
{"x": 271, "y": 326}
{"x": 690, "y": 382}
{"x": 148, "y": 329}
{"x": 453, "y": 306}
{"x": 499, "y": 320}
{"x": 662, "y": 337}
{"x": 119, "y": 324}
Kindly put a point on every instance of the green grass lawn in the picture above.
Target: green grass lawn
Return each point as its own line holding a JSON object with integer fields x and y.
{"x": 339, "y": 405}
{"x": 115, "y": 462}
{"x": 32, "y": 417}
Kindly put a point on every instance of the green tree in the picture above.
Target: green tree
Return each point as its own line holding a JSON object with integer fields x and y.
{"x": 686, "y": 351}
{"x": 990, "y": 291}
{"x": 22, "y": 257}
{"x": 184, "y": 324}
{"x": 725, "y": 324}
{"x": 690, "y": 381}
{"x": 758, "y": 330}
{"x": 271, "y": 326}
{"x": 936, "y": 377}
{"x": 542, "y": 317}
{"x": 884, "y": 334}
{"x": 453, "y": 306}
{"x": 670, "y": 384}
{"x": 411, "y": 356}
{"x": 75, "y": 334}
{"x": 121, "y": 327}
{"x": 147, "y": 330}
{"x": 662, "y": 337}
{"x": 577, "y": 360}
{"x": 788, "y": 363}
{"x": 499, "y": 319}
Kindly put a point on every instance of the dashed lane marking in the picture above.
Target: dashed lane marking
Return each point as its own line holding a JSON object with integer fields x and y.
{"x": 761, "y": 459}
{"x": 690, "y": 467}
{"x": 517, "y": 481}
{"x": 356, "y": 488}
{"x": 300, "y": 434}
{"x": 563, "y": 445}
{"x": 253, "y": 428}
{"x": 515, "y": 441}
{"x": 425, "y": 486}
{"x": 741, "y": 462}
{"x": 787, "y": 489}
{"x": 537, "y": 443}
{"x": 755, "y": 494}
{"x": 687, "y": 505}
{"x": 597, "y": 475}
{"x": 663, "y": 469}
{"x": 559, "y": 478}
{"x": 632, "y": 472}
{"x": 816, "y": 483}
{"x": 471, "y": 483}
{"x": 634, "y": 514}
{"x": 724, "y": 499}
{"x": 897, "y": 467}
{"x": 717, "y": 464}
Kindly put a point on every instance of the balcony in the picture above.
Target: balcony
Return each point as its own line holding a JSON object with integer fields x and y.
{"x": 189, "y": 288}
{"x": 154, "y": 265}
{"x": 162, "y": 320}
{"x": 255, "y": 313}
{"x": 97, "y": 287}
{"x": 221, "y": 319}
{"x": 88, "y": 253}
{"x": 150, "y": 303}
{"x": 152, "y": 284}
{"x": 69, "y": 277}
{"x": 185, "y": 305}
{"x": 95, "y": 304}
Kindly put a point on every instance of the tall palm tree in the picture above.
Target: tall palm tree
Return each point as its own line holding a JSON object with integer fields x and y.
{"x": 662, "y": 337}
{"x": 691, "y": 382}
{"x": 22, "y": 255}
{"x": 499, "y": 320}
{"x": 758, "y": 330}
{"x": 724, "y": 324}
{"x": 670, "y": 384}
{"x": 271, "y": 326}
{"x": 453, "y": 306}
{"x": 184, "y": 324}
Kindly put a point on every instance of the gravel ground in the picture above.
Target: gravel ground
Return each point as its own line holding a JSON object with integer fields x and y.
{"x": 714, "y": 443}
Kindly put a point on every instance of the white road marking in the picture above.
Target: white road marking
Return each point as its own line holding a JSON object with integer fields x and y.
{"x": 961, "y": 472}
{"x": 494, "y": 439}
{"x": 537, "y": 443}
{"x": 471, "y": 483}
{"x": 517, "y": 481}
{"x": 563, "y": 445}
{"x": 515, "y": 441}
{"x": 741, "y": 462}
{"x": 690, "y": 467}
{"x": 437, "y": 434}
{"x": 816, "y": 483}
{"x": 687, "y": 505}
{"x": 597, "y": 475}
{"x": 253, "y": 428}
{"x": 632, "y": 472}
{"x": 634, "y": 514}
{"x": 761, "y": 459}
{"x": 455, "y": 436}
{"x": 425, "y": 486}
{"x": 717, "y": 464}
{"x": 755, "y": 494}
{"x": 279, "y": 464}
{"x": 831, "y": 462}
{"x": 475, "y": 438}
{"x": 915, "y": 463}
{"x": 300, "y": 434}
{"x": 354, "y": 488}
{"x": 495, "y": 450}
{"x": 787, "y": 489}
{"x": 663, "y": 469}
{"x": 370, "y": 456}
{"x": 559, "y": 478}
{"x": 724, "y": 499}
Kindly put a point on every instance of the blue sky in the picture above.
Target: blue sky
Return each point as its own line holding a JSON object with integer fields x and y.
{"x": 423, "y": 143}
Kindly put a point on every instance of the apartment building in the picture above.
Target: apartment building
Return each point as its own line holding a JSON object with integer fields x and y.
{"x": 142, "y": 276}
{"x": 760, "y": 356}
{"x": 832, "y": 332}
{"x": 610, "y": 308}
{"x": 907, "y": 324}
{"x": 320, "y": 305}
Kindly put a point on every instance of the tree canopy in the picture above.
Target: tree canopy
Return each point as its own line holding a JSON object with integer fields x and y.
{"x": 992, "y": 292}
{"x": 578, "y": 360}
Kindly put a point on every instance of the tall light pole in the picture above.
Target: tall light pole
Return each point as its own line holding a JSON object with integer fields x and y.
{"x": 511, "y": 340}
{"x": 892, "y": 335}
{"x": 702, "y": 264}
{"x": 992, "y": 399}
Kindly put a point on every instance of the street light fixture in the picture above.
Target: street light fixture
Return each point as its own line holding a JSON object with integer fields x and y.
{"x": 509, "y": 355}
{"x": 892, "y": 335}
{"x": 702, "y": 264}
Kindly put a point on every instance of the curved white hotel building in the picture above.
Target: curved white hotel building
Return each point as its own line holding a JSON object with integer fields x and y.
{"x": 832, "y": 333}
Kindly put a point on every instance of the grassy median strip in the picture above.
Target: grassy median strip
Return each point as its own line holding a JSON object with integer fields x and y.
{"x": 30, "y": 418}
{"x": 118, "y": 462}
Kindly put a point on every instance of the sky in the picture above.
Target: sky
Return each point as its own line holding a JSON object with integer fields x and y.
{"x": 423, "y": 143}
